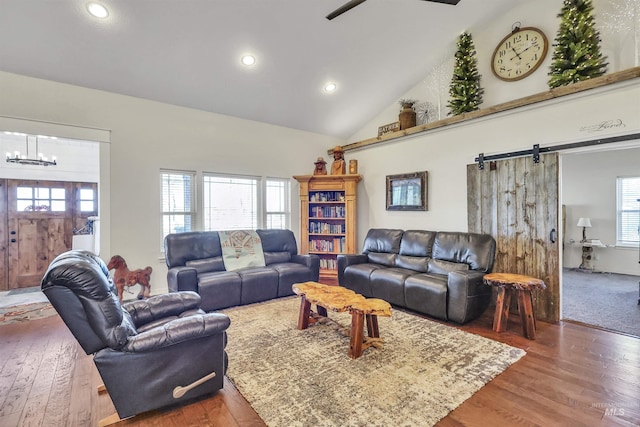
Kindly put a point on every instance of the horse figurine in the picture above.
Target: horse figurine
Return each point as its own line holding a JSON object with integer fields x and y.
{"x": 124, "y": 277}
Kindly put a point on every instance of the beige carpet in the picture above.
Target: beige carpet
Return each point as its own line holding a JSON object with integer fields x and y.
{"x": 306, "y": 378}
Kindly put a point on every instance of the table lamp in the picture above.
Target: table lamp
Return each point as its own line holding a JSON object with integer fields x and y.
{"x": 584, "y": 223}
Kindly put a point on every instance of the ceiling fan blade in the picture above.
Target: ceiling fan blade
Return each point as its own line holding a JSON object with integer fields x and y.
{"x": 344, "y": 8}
{"x": 451, "y": 2}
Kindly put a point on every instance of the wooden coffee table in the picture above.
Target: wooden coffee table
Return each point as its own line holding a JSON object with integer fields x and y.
{"x": 339, "y": 299}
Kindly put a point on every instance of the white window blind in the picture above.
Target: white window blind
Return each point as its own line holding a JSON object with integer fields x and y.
{"x": 178, "y": 205}
{"x": 277, "y": 201}
{"x": 628, "y": 218}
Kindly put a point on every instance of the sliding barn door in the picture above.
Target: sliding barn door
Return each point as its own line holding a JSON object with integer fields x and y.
{"x": 516, "y": 201}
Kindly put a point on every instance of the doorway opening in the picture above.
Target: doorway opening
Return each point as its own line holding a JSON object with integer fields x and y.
{"x": 601, "y": 274}
{"x": 41, "y": 208}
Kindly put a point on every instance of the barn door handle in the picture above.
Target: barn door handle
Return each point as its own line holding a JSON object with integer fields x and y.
{"x": 552, "y": 235}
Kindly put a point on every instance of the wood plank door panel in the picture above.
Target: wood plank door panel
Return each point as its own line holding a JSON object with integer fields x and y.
{"x": 516, "y": 201}
{"x": 4, "y": 237}
{"x": 36, "y": 234}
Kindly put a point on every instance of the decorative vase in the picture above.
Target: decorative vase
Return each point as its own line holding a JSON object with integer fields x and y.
{"x": 353, "y": 167}
{"x": 407, "y": 116}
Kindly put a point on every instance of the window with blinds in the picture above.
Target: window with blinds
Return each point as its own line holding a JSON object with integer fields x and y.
{"x": 178, "y": 204}
{"x": 628, "y": 219}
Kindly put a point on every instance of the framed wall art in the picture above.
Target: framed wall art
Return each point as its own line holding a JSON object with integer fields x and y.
{"x": 407, "y": 192}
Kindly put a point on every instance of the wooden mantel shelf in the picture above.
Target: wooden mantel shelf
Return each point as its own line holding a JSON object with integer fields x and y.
{"x": 605, "y": 80}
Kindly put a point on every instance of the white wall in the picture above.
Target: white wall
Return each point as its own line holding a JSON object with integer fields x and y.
{"x": 589, "y": 190}
{"x": 618, "y": 22}
{"x": 147, "y": 136}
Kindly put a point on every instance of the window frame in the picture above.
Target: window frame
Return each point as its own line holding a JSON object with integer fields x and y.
{"x": 286, "y": 202}
{"x": 621, "y": 199}
{"x": 191, "y": 213}
{"x": 257, "y": 202}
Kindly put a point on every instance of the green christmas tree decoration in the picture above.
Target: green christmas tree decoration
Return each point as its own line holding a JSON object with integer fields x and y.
{"x": 576, "y": 55}
{"x": 465, "y": 91}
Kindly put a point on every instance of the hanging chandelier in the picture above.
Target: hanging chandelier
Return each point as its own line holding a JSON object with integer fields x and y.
{"x": 24, "y": 159}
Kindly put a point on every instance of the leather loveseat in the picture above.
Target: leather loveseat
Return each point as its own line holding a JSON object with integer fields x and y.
{"x": 435, "y": 273}
{"x": 196, "y": 263}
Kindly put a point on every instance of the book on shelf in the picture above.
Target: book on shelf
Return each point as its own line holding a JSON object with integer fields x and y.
{"x": 327, "y": 211}
{"x": 326, "y": 196}
{"x": 336, "y": 245}
{"x": 319, "y": 227}
{"x": 328, "y": 264}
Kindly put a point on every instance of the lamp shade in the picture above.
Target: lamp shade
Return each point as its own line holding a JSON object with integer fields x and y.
{"x": 584, "y": 222}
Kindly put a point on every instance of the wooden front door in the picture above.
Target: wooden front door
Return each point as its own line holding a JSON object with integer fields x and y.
{"x": 41, "y": 216}
{"x": 516, "y": 201}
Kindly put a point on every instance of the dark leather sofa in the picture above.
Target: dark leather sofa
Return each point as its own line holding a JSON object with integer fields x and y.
{"x": 150, "y": 354}
{"x": 435, "y": 273}
{"x": 195, "y": 264}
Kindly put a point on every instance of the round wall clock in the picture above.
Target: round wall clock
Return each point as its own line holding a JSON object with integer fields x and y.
{"x": 519, "y": 54}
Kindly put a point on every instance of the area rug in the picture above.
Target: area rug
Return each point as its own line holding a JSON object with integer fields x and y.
{"x": 26, "y": 312}
{"x": 306, "y": 378}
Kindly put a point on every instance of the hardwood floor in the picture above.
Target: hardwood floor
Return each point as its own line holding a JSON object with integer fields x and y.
{"x": 572, "y": 375}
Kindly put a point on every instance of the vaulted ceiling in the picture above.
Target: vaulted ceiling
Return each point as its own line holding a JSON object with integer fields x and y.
{"x": 187, "y": 52}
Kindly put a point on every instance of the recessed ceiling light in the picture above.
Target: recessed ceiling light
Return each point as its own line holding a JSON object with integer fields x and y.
{"x": 330, "y": 87}
{"x": 248, "y": 60}
{"x": 97, "y": 10}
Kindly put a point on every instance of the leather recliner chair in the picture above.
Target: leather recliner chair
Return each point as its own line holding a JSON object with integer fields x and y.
{"x": 151, "y": 353}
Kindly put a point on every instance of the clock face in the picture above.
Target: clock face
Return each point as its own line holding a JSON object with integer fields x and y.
{"x": 519, "y": 54}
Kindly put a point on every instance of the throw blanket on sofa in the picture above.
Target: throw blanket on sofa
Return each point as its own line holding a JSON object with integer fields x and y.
{"x": 240, "y": 249}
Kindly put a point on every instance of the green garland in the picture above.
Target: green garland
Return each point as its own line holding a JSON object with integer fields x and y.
{"x": 465, "y": 90}
{"x": 576, "y": 55}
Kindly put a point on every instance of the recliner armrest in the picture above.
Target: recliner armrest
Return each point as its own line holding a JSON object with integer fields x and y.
{"x": 182, "y": 279}
{"x": 462, "y": 286}
{"x": 311, "y": 261}
{"x": 160, "y": 306}
{"x": 345, "y": 260}
{"x": 177, "y": 331}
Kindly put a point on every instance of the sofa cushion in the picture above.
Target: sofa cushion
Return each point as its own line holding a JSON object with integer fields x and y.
{"x": 417, "y": 243}
{"x": 207, "y": 265}
{"x": 219, "y": 289}
{"x": 388, "y": 284}
{"x": 258, "y": 284}
{"x": 388, "y": 260}
{"x": 276, "y": 240}
{"x": 427, "y": 293}
{"x": 382, "y": 240}
{"x": 182, "y": 247}
{"x": 290, "y": 273}
{"x": 438, "y": 266}
{"x": 476, "y": 250}
{"x": 276, "y": 257}
{"x": 419, "y": 264}
{"x": 356, "y": 278}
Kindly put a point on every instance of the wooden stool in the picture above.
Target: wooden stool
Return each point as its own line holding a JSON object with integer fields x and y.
{"x": 522, "y": 285}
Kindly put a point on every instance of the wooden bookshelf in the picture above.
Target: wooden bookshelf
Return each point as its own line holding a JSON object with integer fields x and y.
{"x": 328, "y": 218}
